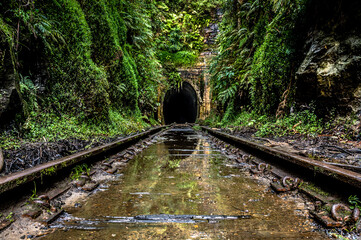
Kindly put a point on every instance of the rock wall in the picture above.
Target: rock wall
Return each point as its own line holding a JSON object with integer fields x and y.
{"x": 330, "y": 73}
{"x": 9, "y": 99}
{"x": 330, "y": 70}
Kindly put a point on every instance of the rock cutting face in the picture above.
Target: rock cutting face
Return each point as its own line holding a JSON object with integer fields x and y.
{"x": 180, "y": 105}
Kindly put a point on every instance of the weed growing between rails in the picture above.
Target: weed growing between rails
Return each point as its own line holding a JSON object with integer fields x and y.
{"x": 78, "y": 170}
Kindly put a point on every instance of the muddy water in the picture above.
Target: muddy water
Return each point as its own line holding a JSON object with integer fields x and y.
{"x": 181, "y": 188}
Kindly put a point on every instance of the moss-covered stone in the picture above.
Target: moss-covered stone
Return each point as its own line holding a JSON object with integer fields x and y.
{"x": 7, "y": 69}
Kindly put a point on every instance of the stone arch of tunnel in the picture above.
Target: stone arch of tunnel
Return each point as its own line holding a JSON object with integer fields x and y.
{"x": 181, "y": 105}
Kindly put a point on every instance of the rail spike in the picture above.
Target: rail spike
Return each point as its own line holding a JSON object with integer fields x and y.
{"x": 338, "y": 213}
{"x": 290, "y": 183}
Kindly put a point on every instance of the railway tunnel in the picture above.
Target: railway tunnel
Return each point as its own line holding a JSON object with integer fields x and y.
{"x": 180, "y": 105}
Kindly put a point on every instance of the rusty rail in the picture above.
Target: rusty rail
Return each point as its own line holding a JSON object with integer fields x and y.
{"x": 346, "y": 176}
{"x": 15, "y": 180}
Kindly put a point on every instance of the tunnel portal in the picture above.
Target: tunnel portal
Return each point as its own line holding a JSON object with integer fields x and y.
{"x": 180, "y": 105}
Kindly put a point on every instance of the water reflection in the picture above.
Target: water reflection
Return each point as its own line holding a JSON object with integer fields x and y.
{"x": 180, "y": 143}
{"x": 162, "y": 182}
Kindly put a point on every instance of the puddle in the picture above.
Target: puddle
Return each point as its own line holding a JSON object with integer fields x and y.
{"x": 181, "y": 188}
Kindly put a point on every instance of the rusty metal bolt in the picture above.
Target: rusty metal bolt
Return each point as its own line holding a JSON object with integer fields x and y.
{"x": 262, "y": 167}
{"x": 337, "y": 208}
{"x": 356, "y": 214}
{"x": 297, "y": 182}
{"x": 290, "y": 182}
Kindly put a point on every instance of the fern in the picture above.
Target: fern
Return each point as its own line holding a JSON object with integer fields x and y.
{"x": 228, "y": 94}
{"x": 121, "y": 88}
{"x": 29, "y": 94}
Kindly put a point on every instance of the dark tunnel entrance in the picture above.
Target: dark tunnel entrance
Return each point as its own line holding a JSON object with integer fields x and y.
{"x": 180, "y": 105}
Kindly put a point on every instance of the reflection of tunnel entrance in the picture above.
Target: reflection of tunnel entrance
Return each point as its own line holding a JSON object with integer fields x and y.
{"x": 180, "y": 105}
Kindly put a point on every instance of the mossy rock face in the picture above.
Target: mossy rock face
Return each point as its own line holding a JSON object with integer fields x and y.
{"x": 77, "y": 82}
{"x": 9, "y": 99}
{"x": 92, "y": 61}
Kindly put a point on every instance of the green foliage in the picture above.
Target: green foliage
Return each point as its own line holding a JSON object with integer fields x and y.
{"x": 229, "y": 115}
{"x": 48, "y": 171}
{"x": 178, "y": 59}
{"x": 6, "y": 45}
{"x": 175, "y": 79}
{"x": 271, "y": 67}
{"x": 78, "y": 170}
{"x": 77, "y": 84}
{"x": 29, "y": 93}
{"x": 354, "y": 201}
{"x": 179, "y": 39}
{"x": 174, "y": 163}
{"x": 197, "y": 127}
{"x": 10, "y": 217}
{"x": 34, "y": 194}
{"x": 213, "y": 120}
{"x": 95, "y": 67}
{"x": 97, "y": 58}
{"x": 54, "y": 126}
{"x": 304, "y": 122}
{"x": 256, "y": 52}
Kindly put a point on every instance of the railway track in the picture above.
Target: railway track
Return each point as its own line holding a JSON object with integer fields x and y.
{"x": 47, "y": 170}
{"x": 330, "y": 185}
{"x": 291, "y": 172}
{"x": 305, "y": 165}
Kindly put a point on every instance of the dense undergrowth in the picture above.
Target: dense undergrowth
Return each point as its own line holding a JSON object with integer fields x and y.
{"x": 253, "y": 76}
{"x": 305, "y": 122}
{"x": 257, "y": 55}
{"x": 99, "y": 68}
{"x": 94, "y": 68}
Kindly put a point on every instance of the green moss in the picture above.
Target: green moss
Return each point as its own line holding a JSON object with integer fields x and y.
{"x": 130, "y": 72}
{"x": 315, "y": 189}
{"x": 107, "y": 29}
{"x": 6, "y": 44}
{"x": 100, "y": 66}
{"x": 96, "y": 70}
{"x": 21, "y": 181}
{"x": 197, "y": 128}
{"x": 7, "y": 54}
{"x": 48, "y": 171}
{"x": 77, "y": 83}
{"x": 179, "y": 59}
{"x": 304, "y": 122}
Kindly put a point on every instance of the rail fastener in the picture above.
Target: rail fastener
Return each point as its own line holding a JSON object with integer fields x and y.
{"x": 343, "y": 175}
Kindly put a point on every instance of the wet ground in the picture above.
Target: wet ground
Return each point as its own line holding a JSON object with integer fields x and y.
{"x": 181, "y": 188}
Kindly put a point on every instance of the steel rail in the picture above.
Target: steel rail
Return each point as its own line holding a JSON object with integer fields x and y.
{"x": 348, "y": 177}
{"x": 12, "y": 181}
